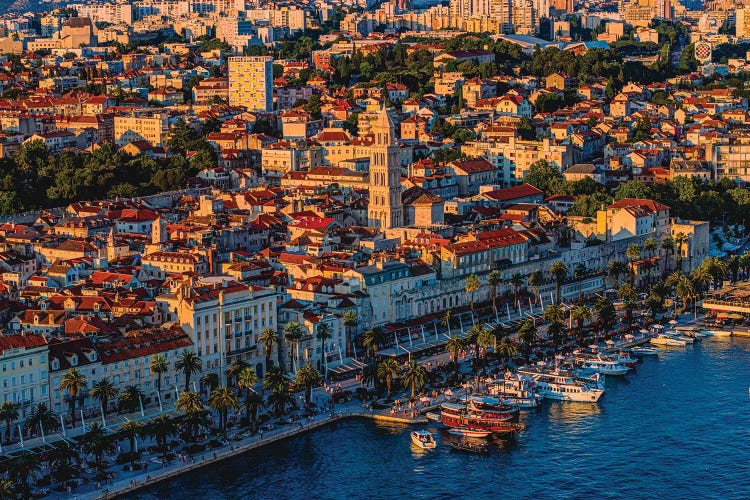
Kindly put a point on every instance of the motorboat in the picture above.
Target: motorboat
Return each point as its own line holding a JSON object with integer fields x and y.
{"x": 604, "y": 367}
{"x": 515, "y": 391}
{"x": 470, "y": 447}
{"x": 644, "y": 351}
{"x": 664, "y": 339}
{"x": 523, "y": 403}
{"x": 467, "y": 432}
{"x": 717, "y": 332}
{"x": 423, "y": 439}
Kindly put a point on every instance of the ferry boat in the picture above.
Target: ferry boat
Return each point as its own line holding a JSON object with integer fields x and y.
{"x": 466, "y": 432}
{"x": 563, "y": 386}
{"x": 423, "y": 439}
{"x": 668, "y": 340}
{"x": 490, "y": 416}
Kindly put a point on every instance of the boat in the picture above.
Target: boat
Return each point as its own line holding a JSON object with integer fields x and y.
{"x": 564, "y": 386}
{"x": 604, "y": 367}
{"x": 423, "y": 439}
{"x": 645, "y": 351}
{"x": 489, "y": 415}
{"x": 668, "y": 340}
{"x": 625, "y": 360}
{"x": 515, "y": 391}
{"x": 466, "y": 432}
{"x": 466, "y": 446}
{"x": 716, "y": 332}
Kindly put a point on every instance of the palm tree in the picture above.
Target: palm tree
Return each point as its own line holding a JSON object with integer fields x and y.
{"x": 536, "y": 279}
{"x": 73, "y": 382}
{"x": 507, "y": 350}
{"x": 554, "y": 312}
{"x": 324, "y": 334}
{"x": 415, "y": 376}
{"x": 8, "y": 413}
{"x": 527, "y": 335}
{"x": 559, "y": 272}
{"x": 627, "y": 294}
{"x": 161, "y": 428}
{"x": 307, "y": 377}
{"x": 293, "y": 332}
{"x": 64, "y": 459}
{"x": 98, "y": 442}
{"x": 130, "y": 399}
{"x": 274, "y": 376}
{"x": 580, "y": 314}
{"x": 667, "y": 244}
{"x": 484, "y": 340}
{"x": 650, "y": 246}
{"x": 679, "y": 241}
{"x": 234, "y": 369}
{"x": 374, "y": 339}
{"x": 222, "y": 400}
{"x": 130, "y": 431}
{"x": 269, "y": 338}
{"x": 605, "y": 313}
{"x": 494, "y": 280}
{"x": 280, "y": 398}
{"x": 158, "y": 364}
{"x": 189, "y": 364}
{"x": 474, "y": 333}
{"x": 745, "y": 264}
{"x": 191, "y": 404}
{"x": 22, "y": 467}
{"x": 351, "y": 320}
{"x": 41, "y": 419}
{"x": 683, "y": 286}
{"x": 633, "y": 253}
{"x": 733, "y": 267}
{"x": 103, "y": 391}
{"x": 454, "y": 346}
{"x": 615, "y": 269}
{"x": 555, "y": 331}
{"x": 251, "y": 405}
{"x": 388, "y": 369}
{"x": 446, "y": 321}
{"x": 210, "y": 381}
{"x": 246, "y": 379}
{"x": 472, "y": 285}
{"x": 516, "y": 281}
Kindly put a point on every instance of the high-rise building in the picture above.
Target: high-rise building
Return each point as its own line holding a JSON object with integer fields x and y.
{"x": 742, "y": 22}
{"x": 563, "y": 5}
{"x": 251, "y": 82}
{"x": 384, "y": 210}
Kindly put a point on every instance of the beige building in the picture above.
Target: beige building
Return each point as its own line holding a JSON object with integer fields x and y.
{"x": 153, "y": 129}
{"x": 25, "y": 380}
{"x": 220, "y": 307}
{"x": 251, "y": 82}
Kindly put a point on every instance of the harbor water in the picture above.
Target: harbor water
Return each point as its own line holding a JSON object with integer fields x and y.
{"x": 675, "y": 427}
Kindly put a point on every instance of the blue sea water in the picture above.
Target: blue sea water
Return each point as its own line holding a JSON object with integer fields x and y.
{"x": 675, "y": 428}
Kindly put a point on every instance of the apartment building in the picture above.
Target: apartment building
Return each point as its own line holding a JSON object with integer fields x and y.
{"x": 251, "y": 82}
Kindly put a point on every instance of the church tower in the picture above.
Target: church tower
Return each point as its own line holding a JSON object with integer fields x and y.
{"x": 384, "y": 210}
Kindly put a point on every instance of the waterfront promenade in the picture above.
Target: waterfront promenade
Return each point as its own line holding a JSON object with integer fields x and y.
{"x": 129, "y": 482}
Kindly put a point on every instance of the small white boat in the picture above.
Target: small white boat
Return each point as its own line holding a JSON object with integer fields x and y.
{"x": 605, "y": 367}
{"x": 519, "y": 402}
{"x": 720, "y": 333}
{"x": 645, "y": 351}
{"x": 467, "y": 432}
{"x": 423, "y": 439}
{"x": 668, "y": 340}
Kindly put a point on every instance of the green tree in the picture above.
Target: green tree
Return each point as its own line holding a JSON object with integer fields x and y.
{"x": 454, "y": 346}
{"x": 559, "y": 272}
{"x": 103, "y": 391}
{"x": 494, "y": 279}
{"x": 269, "y": 338}
{"x": 280, "y": 398}
{"x": 161, "y": 428}
{"x": 189, "y": 364}
{"x": 222, "y": 399}
{"x": 544, "y": 176}
{"x": 8, "y": 414}
{"x": 98, "y": 442}
{"x": 388, "y": 369}
{"x": 472, "y": 285}
{"x": 73, "y": 382}
{"x": 130, "y": 430}
{"x": 415, "y": 376}
{"x": 41, "y": 420}
{"x": 158, "y": 364}
{"x": 374, "y": 339}
{"x": 23, "y": 467}
{"x": 307, "y": 377}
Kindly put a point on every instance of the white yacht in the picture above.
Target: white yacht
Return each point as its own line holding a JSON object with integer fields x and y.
{"x": 604, "y": 367}
{"x": 563, "y": 386}
{"x": 423, "y": 439}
